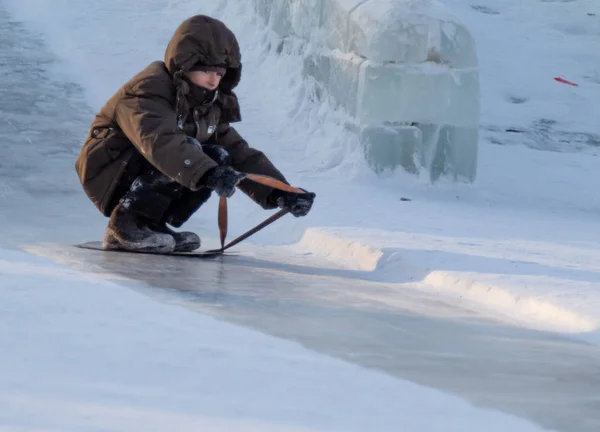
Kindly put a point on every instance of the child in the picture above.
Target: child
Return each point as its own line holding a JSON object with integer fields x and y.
{"x": 163, "y": 142}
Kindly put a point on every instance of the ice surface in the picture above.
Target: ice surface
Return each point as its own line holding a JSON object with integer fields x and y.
{"x": 392, "y": 64}
{"x": 83, "y": 353}
{"x": 345, "y": 315}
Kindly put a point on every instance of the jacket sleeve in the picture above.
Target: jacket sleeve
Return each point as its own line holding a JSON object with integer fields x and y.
{"x": 249, "y": 160}
{"x": 149, "y": 121}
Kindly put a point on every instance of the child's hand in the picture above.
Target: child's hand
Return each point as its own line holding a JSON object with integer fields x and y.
{"x": 298, "y": 203}
{"x": 223, "y": 180}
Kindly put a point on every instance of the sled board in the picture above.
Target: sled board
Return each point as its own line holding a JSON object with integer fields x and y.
{"x": 97, "y": 245}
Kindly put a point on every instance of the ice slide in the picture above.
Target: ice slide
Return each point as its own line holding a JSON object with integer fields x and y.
{"x": 275, "y": 290}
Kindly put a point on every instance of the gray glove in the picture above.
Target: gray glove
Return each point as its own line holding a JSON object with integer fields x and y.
{"x": 223, "y": 180}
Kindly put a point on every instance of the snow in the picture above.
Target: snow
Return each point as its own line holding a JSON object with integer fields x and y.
{"x": 544, "y": 40}
{"x": 520, "y": 245}
{"x": 507, "y": 282}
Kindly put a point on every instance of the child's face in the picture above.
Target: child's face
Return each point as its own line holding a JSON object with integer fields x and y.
{"x": 209, "y": 80}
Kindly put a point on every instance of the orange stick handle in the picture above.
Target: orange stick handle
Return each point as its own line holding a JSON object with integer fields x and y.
{"x": 274, "y": 183}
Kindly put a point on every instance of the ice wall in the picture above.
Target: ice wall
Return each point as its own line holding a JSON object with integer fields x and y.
{"x": 405, "y": 70}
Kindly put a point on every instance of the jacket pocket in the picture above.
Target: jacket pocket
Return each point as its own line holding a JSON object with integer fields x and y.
{"x": 95, "y": 158}
{"x": 102, "y": 148}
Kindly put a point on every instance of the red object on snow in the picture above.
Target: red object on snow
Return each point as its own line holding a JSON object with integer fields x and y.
{"x": 564, "y": 81}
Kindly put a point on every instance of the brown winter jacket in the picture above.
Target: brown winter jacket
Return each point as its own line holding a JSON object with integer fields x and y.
{"x": 149, "y": 116}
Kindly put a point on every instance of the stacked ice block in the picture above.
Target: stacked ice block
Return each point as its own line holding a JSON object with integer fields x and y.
{"x": 405, "y": 70}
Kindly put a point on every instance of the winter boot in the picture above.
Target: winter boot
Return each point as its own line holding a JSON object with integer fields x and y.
{"x": 128, "y": 230}
{"x": 185, "y": 241}
{"x": 144, "y": 205}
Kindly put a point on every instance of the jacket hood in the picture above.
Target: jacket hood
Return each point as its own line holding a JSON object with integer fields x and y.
{"x": 208, "y": 41}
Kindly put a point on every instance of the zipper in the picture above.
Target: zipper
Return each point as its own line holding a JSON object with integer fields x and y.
{"x": 197, "y": 123}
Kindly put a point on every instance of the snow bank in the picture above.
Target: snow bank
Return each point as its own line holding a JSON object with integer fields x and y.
{"x": 559, "y": 302}
{"x": 406, "y": 71}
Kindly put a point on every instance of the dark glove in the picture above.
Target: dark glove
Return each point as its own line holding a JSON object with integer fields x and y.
{"x": 223, "y": 180}
{"x": 298, "y": 203}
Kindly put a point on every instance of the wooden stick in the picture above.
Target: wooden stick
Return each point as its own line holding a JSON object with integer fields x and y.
{"x": 257, "y": 228}
{"x": 223, "y": 220}
{"x": 222, "y": 217}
